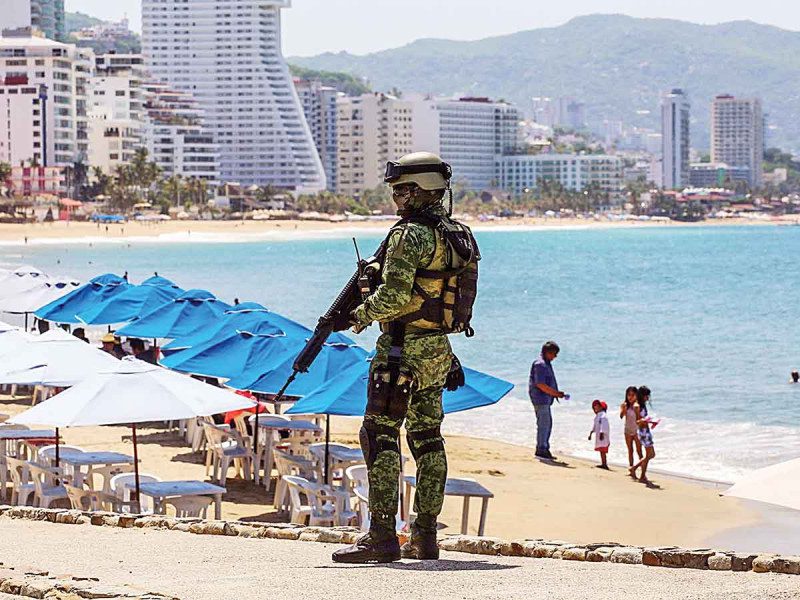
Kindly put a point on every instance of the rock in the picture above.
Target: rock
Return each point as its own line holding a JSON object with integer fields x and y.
{"x": 576, "y": 553}
{"x": 61, "y": 595}
{"x": 181, "y": 526}
{"x": 70, "y": 517}
{"x": 720, "y": 562}
{"x": 763, "y": 563}
{"x": 126, "y": 521}
{"x": 211, "y": 528}
{"x": 514, "y": 548}
{"x": 627, "y": 556}
{"x": 697, "y": 559}
{"x": 154, "y": 522}
{"x": 544, "y": 550}
{"x": 742, "y": 562}
{"x": 35, "y": 589}
{"x": 247, "y": 531}
{"x": 10, "y": 586}
{"x": 596, "y": 545}
{"x": 471, "y": 544}
{"x": 602, "y": 554}
{"x": 788, "y": 565}
{"x": 283, "y": 533}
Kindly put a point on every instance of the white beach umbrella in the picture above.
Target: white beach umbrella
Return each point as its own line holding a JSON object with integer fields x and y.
{"x": 55, "y": 359}
{"x": 134, "y": 392}
{"x": 42, "y": 292}
{"x": 11, "y": 340}
{"x": 19, "y": 280}
{"x": 777, "y": 484}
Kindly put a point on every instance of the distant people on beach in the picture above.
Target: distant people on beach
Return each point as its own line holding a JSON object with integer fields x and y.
{"x": 795, "y": 377}
{"x": 112, "y": 345}
{"x": 601, "y": 432}
{"x": 138, "y": 349}
{"x": 80, "y": 333}
{"x": 645, "y": 434}
{"x": 627, "y": 411}
{"x": 542, "y": 390}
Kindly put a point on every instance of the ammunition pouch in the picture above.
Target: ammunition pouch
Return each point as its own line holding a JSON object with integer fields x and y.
{"x": 389, "y": 396}
{"x": 455, "y": 377}
{"x": 424, "y": 442}
{"x": 372, "y": 445}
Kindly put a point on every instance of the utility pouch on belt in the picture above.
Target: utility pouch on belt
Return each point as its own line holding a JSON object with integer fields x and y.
{"x": 386, "y": 399}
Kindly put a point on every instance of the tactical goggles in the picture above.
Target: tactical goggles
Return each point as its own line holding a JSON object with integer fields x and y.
{"x": 395, "y": 170}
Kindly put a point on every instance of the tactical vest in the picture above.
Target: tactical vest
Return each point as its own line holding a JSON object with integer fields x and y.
{"x": 445, "y": 290}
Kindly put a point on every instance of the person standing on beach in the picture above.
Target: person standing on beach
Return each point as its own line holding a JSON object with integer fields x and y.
{"x": 645, "y": 434}
{"x": 413, "y": 360}
{"x": 542, "y": 390}
{"x": 628, "y": 412}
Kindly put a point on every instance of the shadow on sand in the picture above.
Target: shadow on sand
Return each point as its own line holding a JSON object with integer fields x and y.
{"x": 430, "y": 565}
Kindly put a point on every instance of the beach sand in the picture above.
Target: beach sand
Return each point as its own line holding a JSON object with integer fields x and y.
{"x": 571, "y": 501}
{"x": 197, "y": 231}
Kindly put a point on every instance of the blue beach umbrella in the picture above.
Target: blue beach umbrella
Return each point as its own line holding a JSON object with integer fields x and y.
{"x": 243, "y": 317}
{"x": 135, "y": 301}
{"x": 346, "y": 395}
{"x": 232, "y": 352}
{"x": 97, "y": 291}
{"x": 337, "y": 355}
{"x": 179, "y": 317}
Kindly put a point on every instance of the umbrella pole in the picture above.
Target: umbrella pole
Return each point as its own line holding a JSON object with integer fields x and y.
{"x": 136, "y": 471}
{"x": 26, "y": 321}
{"x": 57, "y": 455}
{"x": 327, "y": 449}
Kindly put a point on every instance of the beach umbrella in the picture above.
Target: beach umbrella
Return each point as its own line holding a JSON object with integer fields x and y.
{"x": 242, "y": 317}
{"x": 20, "y": 280}
{"x": 337, "y": 355}
{"x": 12, "y": 339}
{"x": 99, "y": 289}
{"x": 135, "y": 301}
{"x": 346, "y": 395}
{"x": 182, "y": 316}
{"x": 43, "y": 292}
{"x": 53, "y": 359}
{"x": 232, "y": 352}
{"x": 777, "y": 484}
{"x": 132, "y": 392}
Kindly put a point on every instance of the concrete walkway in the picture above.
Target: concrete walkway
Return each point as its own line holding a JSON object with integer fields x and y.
{"x": 195, "y": 567}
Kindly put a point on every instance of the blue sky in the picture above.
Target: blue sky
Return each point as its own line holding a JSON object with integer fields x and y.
{"x": 360, "y": 26}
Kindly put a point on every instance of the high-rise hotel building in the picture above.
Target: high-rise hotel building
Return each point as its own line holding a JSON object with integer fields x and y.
{"x": 227, "y": 54}
{"x": 675, "y": 109}
{"x": 737, "y": 134}
{"x": 45, "y": 16}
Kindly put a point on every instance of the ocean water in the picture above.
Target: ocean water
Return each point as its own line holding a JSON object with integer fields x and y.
{"x": 707, "y": 317}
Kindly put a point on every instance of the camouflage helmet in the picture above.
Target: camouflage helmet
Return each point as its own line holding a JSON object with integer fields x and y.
{"x": 425, "y": 169}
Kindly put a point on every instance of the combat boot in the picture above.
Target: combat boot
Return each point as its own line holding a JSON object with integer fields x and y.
{"x": 422, "y": 545}
{"x": 379, "y": 545}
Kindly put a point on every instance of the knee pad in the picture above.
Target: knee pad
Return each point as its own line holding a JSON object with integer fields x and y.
{"x": 424, "y": 442}
{"x": 373, "y": 439}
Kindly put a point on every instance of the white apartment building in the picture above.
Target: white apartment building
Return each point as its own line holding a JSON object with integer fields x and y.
{"x": 175, "y": 137}
{"x": 473, "y": 132}
{"x": 116, "y": 114}
{"x": 44, "y": 16}
{"x": 737, "y": 134}
{"x": 371, "y": 129}
{"x": 43, "y": 101}
{"x": 319, "y": 107}
{"x": 675, "y": 109}
{"x": 228, "y": 55}
{"x": 525, "y": 172}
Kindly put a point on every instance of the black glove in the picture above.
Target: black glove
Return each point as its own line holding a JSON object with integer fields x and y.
{"x": 455, "y": 378}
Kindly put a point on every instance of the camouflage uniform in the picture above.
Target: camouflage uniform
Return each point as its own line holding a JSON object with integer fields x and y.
{"x": 427, "y": 355}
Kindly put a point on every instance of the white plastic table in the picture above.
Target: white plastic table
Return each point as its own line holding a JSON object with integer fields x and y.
{"x": 161, "y": 490}
{"x": 465, "y": 488}
{"x": 92, "y": 459}
{"x": 271, "y": 423}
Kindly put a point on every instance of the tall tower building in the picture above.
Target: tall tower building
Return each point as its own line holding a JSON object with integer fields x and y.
{"x": 675, "y": 109}
{"x": 319, "y": 106}
{"x": 737, "y": 135}
{"x": 228, "y": 56}
{"x": 46, "y": 16}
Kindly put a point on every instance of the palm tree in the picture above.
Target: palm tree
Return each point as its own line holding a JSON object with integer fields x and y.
{"x": 5, "y": 176}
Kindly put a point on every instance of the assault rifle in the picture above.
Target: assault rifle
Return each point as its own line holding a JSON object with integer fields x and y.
{"x": 338, "y": 318}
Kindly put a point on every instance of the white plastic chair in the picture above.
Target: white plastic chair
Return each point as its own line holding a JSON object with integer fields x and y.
{"x": 299, "y": 510}
{"x": 288, "y": 464}
{"x": 5, "y": 450}
{"x": 223, "y": 448}
{"x": 22, "y": 487}
{"x": 190, "y": 506}
{"x": 327, "y": 508}
{"x": 47, "y": 488}
{"x": 119, "y": 488}
{"x": 362, "y": 507}
{"x": 106, "y": 474}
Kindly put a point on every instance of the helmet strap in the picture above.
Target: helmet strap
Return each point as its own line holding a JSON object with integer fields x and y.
{"x": 450, "y": 193}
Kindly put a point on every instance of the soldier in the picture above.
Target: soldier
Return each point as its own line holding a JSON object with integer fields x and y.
{"x": 413, "y": 362}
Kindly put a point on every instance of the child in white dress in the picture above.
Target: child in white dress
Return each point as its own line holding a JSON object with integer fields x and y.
{"x": 601, "y": 432}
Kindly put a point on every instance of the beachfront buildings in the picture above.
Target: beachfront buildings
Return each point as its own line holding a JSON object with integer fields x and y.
{"x": 175, "y": 136}
{"x": 320, "y": 109}
{"x": 44, "y": 16}
{"x": 472, "y": 133}
{"x": 116, "y": 113}
{"x": 228, "y": 56}
{"x": 716, "y": 175}
{"x": 371, "y": 130}
{"x": 675, "y": 112}
{"x": 576, "y": 172}
{"x": 737, "y": 135}
{"x": 44, "y": 88}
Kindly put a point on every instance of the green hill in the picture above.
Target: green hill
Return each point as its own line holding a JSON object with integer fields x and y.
{"x": 344, "y": 82}
{"x": 78, "y": 20}
{"x": 618, "y": 65}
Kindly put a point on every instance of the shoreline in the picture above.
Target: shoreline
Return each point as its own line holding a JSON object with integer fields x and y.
{"x": 74, "y": 232}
